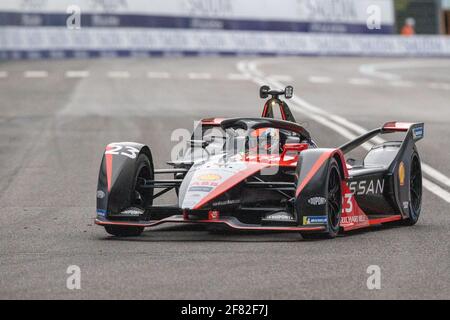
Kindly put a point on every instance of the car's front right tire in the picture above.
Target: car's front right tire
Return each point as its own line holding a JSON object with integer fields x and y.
{"x": 124, "y": 231}
{"x": 334, "y": 203}
{"x": 140, "y": 198}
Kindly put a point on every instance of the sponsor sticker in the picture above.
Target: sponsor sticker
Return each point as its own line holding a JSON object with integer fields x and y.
{"x": 132, "y": 212}
{"x": 209, "y": 177}
{"x": 401, "y": 173}
{"x": 205, "y": 183}
{"x": 317, "y": 201}
{"x": 101, "y": 213}
{"x": 418, "y": 132}
{"x": 195, "y": 195}
{"x": 315, "y": 220}
{"x": 213, "y": 215}
{"x": 354, "y": 219}
{"x": 366, "y": 187}
{"x": 226, "y": 203}
{"x": 200, "y": 189}
{"x": 280, "y": 217}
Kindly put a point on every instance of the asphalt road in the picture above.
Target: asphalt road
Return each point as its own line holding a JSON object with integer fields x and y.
{"x": 57, "y": 116}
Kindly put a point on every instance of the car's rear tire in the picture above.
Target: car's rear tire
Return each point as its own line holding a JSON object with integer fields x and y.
{"x": 334, "y": 203}
{"x": 415, "y": 189}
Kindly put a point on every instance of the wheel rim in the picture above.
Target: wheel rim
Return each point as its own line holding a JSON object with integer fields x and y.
{"x": 334, "y": 201}
{"x": 415, "y": 185}
{"x": 140, "y": 198}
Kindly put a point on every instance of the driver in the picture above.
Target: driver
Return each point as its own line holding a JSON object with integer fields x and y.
{"x": 267, "y": 140}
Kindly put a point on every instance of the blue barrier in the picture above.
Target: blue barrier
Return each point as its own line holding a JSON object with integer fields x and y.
{"x": 94, "y": 43}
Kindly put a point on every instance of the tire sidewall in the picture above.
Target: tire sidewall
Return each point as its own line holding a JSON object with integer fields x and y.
{"x": 333, "y": 230}
{"x": 415, "y": 214}
{"x": 141, "y": 162}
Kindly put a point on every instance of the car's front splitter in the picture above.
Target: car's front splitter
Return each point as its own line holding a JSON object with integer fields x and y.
{"x": 227, "y": 221}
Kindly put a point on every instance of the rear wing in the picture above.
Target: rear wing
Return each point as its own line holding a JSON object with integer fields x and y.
{"x": 417, "y": 129}
{"x": 414, "y": 131}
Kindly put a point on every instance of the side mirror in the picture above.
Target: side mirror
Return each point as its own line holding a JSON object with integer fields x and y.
{"x": 289, "y": 92}
{"x": 264, "y": 92}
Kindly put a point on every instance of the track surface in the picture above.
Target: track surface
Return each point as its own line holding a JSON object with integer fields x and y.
{"x": 54, "y": 126}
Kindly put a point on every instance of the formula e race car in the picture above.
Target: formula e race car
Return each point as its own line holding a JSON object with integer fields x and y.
{"x": 265, "y": 174}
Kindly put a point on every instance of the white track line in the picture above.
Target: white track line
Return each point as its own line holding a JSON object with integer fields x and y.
{"x": 360, "y": 81}
{"x": 377, "y": 70}
{"x": 372, "y": 71}
{"x": 199, "y": 76}
{"x": 281, "y": 77}
{"x": 401, "y": 84}
{"x": 118, "y": 74}
{"x": 35, "y": 74}
{"x": 237, "y": 77}
{"x": 3, "y": 74}
{"x": 434, "y": 188}
{"x": 158, "y": 75}
{"x": 436, "y": 175}
{"x": 320, "y": 116}
{"x": 320, "y": 79}
{"x": 439, "y": 86}
{"x": 76, "y": 74}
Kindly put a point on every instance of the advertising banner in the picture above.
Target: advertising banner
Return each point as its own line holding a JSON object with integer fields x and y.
{"x": 91, "y": 28}
{"x": 335, "y": 16}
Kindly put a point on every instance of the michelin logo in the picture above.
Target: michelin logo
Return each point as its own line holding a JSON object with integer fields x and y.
{"x": 314, "y": 220}
{"x": 101, "y": 213}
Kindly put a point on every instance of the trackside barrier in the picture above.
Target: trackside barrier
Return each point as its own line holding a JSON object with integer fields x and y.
{"x": 35, "y": 29}
{"x": 30, "y": 43}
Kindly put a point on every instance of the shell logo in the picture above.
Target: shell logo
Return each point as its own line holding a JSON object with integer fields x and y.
{"x": 401, "y": 173}
{"x": 209, "y": 177}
